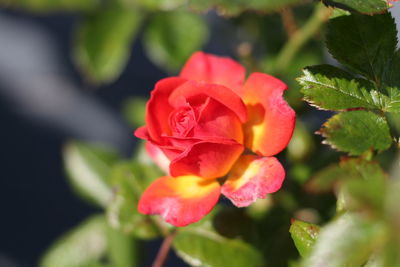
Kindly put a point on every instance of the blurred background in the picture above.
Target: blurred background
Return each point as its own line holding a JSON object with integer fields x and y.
{"x": 54, "y": 88}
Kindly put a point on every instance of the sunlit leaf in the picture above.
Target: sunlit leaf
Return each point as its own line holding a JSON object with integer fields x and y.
{"x": 88, "y": 168}
{"x": 364, "y": 6}
{"x": 304, "y": 236}
{"x": 357, "y": 131}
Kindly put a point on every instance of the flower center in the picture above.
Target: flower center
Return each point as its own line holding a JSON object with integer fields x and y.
{"x": 182, "y": 120}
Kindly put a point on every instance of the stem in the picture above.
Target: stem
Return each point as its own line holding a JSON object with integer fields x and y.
{"x": 314, "y": 23}
{"x": 289, "y": 22}
{"x": 164, "y": 250}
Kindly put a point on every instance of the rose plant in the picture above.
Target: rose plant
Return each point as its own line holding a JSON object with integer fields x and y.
{"x": 213, "y": 132}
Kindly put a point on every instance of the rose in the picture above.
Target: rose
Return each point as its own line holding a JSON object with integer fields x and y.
{"x": 207, "y": 124}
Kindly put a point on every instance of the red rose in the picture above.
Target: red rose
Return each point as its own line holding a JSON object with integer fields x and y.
{"x": 197, "y": 128}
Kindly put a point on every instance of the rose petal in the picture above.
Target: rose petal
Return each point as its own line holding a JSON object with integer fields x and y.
{"x": 158, "y": 108}
{"x": 253, "y": 177}
{"x": 222, "y": 94}
{"x": 271, "y": 120}
{"x": 158, "y": 156}
{"x": 181, "y": 200}
{"x": 208, "y": 68}
{"x": 209, "y": 159}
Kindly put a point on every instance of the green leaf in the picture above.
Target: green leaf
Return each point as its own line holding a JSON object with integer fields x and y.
{"x": 230, "y": 8}
{"x": 347, "y": 241}
{"x": 324, "y": 179}
{"x": 129, "y": 180}
{"x": 123, "y": 250}
{"x": 363, "y": 6}
{"x": 363, "y": 43}
{"x": 304, "y": 236}
{"x": 365, "y": 186}
{"x": 171, "y": 37}
{"x": 88, "y": 168}
{"x": 83, "y": 246}
{"x": 52, "y": 5}
{"x": 134, "y": 110}
{"x": 158, "y": 4}
{"x": 357, "y": 131}
{"x": 104, "y": 40}
{"x": 328, "y": 87}
{"x": 202, "y": 247}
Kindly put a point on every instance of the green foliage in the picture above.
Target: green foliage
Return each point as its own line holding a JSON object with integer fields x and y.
{"x": 104, "y": 40}
{"x": 357, "y": 131}
{"x": 46, "y": 6}
{"x": 227, "y": 7}
{"x": 134, "y": 111}
{"x": 88, "y": 168}
{"x": 171, "y": 37}
{"x": 304, "y": 236}
{"x": 362, "y": 6}
{"x": 347, "y": 241}
{"x": 89, "y": 244}
{"x": 330, "y": 88}
{"x": 203, "y": 247}
{"x": 128, "y": 181}
{"x": 363, "y": 43}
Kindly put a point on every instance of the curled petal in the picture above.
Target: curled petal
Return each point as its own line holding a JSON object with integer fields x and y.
{"x": 181, "y": 200}
{"x": 213, "y": 69}
{"x": 253, "y": 177}
{"x": 271, "y": 120}
{"x": 158, "y": 156}
{"x": 158, "y": 108}
{"x": 208, "y": 159}
{"x": 222, "y": 94}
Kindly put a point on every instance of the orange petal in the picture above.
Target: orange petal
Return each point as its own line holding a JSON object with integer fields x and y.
{"x": 182, "y": 200}
{"x": 271, "y": 120}
{"x": 253, "y": 177}
{"x": 214, "y": 69}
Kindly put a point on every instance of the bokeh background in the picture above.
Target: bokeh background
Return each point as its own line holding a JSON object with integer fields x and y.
{"x": 44, "y": 102}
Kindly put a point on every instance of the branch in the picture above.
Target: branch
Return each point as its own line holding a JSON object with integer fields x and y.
{"x": 164, "y": 250}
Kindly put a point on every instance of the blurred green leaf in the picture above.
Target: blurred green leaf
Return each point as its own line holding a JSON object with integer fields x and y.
{"x": 365, "y": 186}
{"x": 347, "y": 241}
{"x": 230, "y": 8}
{"x": 104, "y": 40}
{"x": 123, "y": 249}
{"x": 364, "y": 6}
{"x": 158, "y": 4}
{"x": 304, "y": 236}
{"x": 52, "y": 5}
{"x": 88, "y": 168}
{"x": 171, "y": 37}
{"x": 83, "y": 246}
{"x": 129, "y": 180}
{"x": 364, "y": 43}
{"x": 301, "y": 145}
{"x": 324, "y": 180}
{"x": 357, "y": 131}
{"x": 202, "y": 247}
{"x": 134, "y": 110}
{"x": 328, "y": 87}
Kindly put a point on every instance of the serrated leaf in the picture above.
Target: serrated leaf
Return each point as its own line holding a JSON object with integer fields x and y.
{"x": 347, "y": 241}
{"x": 82, "y": 246}
{"x": 88, "y": 168}
{"x": 103, "y": 42}
{"x": 202, "y": 247}
{"x": 171, "y": 37}
{"x": 129, "y": 180}
{"x": 331, "y": 88}
{"x": 304, "y": 236}
{"x": 231, "y": 8}
{"x": 52, "y": 5}
{"x": 362, "y": 6}
{"x": 357, "y": 131}
{"x": 363, "y": 43}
